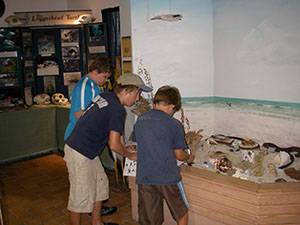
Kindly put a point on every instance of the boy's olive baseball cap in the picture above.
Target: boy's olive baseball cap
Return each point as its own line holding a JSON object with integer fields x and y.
{"x": 133, "y": 79}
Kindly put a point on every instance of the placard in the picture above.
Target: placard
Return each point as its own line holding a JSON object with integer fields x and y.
{"x": 41, "y": 18}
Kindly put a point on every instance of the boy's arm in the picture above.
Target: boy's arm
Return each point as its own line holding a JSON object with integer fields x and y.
{"x": 183, "y": 156}
{"x": 78, "y": 114}
{"x": 116, "y": 146}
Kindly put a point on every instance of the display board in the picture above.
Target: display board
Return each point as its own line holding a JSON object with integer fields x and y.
{"x": 11, "y": 82}
{"x": 49, "y": 59}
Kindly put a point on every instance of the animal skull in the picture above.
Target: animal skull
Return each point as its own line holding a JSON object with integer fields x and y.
{"x": 59, "y": 99}
{"x": 42, "y": 99}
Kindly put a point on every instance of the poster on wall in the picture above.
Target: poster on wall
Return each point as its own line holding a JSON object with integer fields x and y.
{"x": 47, "y": 66}
{"x": 70, "y": 52}
{"x": 8, "y": 65}
{"x": 71, "y": 78}
{"x": 127, "y": 67}
{"x": 8, "y": 79}
{"x": 9, "y": 38}
{"x": 27, "y": 37}
{"x": 96, "y": 33}
{"x": 71, "y": 65}
{"x": 28, "y": 51}
{"x": 49, "y": 84}
{"x": 29, "y": 75}
{"x": 46, "y": 45}
{"x": 126, "y": 47}
{"x": 69, "y": 36}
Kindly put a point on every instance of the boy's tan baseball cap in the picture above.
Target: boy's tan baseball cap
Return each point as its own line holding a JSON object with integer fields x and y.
{"x": 133, "y": 79}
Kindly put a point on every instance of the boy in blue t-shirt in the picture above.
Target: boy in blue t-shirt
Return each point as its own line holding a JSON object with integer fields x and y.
{"x": 88, "y": 88}
{"x": 160, "y": 141}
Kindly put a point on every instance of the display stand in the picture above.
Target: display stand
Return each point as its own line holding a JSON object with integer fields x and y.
{"x": 216, "y": 199}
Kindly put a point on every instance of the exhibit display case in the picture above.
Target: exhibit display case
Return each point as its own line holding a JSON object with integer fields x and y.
{"x": 10, "y": 62}
{"x": 47, "y": 59}
{"x": 216, "y": 199}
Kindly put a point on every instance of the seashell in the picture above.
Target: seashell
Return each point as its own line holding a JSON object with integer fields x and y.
{"x": 248, "y": 155}
{"x": 280, "y": 180}
{"x": 282, "y": 158}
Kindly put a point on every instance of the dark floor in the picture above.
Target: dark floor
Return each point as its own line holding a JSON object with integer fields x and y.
{"x": 36, "y": 192}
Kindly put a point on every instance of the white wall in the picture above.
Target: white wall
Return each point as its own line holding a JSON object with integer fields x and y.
{"x": 12, "y": 6}
{"x": 95, "y": 5}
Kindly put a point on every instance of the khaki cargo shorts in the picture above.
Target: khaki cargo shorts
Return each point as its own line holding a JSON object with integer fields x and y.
{"x": 88, "y": 181}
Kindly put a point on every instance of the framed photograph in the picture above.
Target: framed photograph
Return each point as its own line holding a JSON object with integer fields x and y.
{"x": 47, "y": 66}
{"x": 9, "y": 80}
{"x": 46, "y": 45}
{"x": 49, "y": 84}
{"x": 9, "y": 38}
{"x": 71, "y": 78}
{"x": 127, "y": 67}
{"x": 126, "y": 47}
{"x": 71, "y": 65}
{"x": 96, "y": 33}
{"x": 27, "y": 37}
{"x": 29, "y": 75}
{"x": 8, "y": 65}
{"x": 69, "y": 36}
{"x": 28, "y": 51}
{"x": 71, "y": 52}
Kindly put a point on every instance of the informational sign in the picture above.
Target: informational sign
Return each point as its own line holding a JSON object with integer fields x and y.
{"x": 42, "y": 18}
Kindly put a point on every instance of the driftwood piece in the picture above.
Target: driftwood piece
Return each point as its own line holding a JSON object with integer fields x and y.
{"x": 192, "y": 138}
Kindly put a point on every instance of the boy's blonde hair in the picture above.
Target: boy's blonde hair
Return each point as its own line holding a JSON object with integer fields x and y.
{"x": 168, "y": 95}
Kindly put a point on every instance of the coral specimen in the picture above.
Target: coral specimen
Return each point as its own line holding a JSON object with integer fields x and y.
{"x": 191, "y": 137}
{"x": 258, "y": 170}
{"x": 141, "y": 106}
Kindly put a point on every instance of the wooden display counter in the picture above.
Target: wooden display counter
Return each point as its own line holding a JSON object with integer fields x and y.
{"x": 216, "y": 199}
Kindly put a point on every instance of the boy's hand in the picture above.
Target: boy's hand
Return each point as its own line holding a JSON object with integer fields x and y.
{"x": 190, "y": 159}
{"x": 132, "y": 156}
{"x": 131, "y": 148}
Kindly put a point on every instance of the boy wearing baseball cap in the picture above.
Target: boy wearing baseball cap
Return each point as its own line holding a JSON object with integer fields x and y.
{"x": 101, "y": 123}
